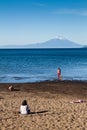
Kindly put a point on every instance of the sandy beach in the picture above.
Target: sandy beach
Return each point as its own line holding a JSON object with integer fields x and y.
{"x": 49, "y": 103}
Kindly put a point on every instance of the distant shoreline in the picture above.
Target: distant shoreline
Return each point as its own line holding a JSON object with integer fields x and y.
{"x": 13, "y": 48}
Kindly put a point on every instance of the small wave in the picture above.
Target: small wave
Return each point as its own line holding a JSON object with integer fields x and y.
{"x": 19, "y": 78}
{"x": 2, "y": 77}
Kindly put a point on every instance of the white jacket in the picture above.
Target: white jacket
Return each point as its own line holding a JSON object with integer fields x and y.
{"x": 24, "y": 109}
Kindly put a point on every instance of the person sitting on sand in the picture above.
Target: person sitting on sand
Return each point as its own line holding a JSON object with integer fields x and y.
{"x": 78, "y": 101}
{"x": 11, "y": 88}
{"x": 24, "y": 108}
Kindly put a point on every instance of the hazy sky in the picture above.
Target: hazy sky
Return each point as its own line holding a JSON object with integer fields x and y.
{"x": 30, "y": 21}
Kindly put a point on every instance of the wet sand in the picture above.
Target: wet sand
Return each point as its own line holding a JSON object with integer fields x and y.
{"x": 49, "y": 103}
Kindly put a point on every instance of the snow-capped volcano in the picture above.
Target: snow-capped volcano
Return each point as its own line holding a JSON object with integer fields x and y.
{"x": 58, "y": 42}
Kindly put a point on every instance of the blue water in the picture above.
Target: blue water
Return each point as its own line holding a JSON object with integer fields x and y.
{"x": 33, "y": 65}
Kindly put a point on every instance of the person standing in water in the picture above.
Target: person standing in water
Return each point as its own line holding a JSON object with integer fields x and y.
{"x": 59, "y": 74}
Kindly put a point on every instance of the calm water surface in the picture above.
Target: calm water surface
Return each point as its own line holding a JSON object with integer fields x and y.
{"x": 33, "y": 65}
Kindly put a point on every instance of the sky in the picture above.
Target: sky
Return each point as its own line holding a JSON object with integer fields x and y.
{"x": 32, "y": 21}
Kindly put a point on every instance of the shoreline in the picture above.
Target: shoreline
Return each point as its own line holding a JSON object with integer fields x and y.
{"x": 42, "y": 81}
{"x": 66, "y": 86}
{"x": 25, "y": 79}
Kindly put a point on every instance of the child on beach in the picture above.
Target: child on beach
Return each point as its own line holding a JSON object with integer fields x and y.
{"x": 59, "y": 74}
{"x": 24, "y": 109}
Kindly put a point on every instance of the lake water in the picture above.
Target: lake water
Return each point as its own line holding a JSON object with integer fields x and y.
{"x": 34, "y": 65}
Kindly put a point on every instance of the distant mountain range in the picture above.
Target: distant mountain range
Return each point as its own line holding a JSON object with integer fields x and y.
{"x": 53, "y": 43}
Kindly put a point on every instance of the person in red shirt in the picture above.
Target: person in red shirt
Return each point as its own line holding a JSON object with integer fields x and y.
{"x": 59, "y": 74}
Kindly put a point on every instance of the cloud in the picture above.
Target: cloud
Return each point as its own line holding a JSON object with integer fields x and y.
{"x": 71, "y": 11}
